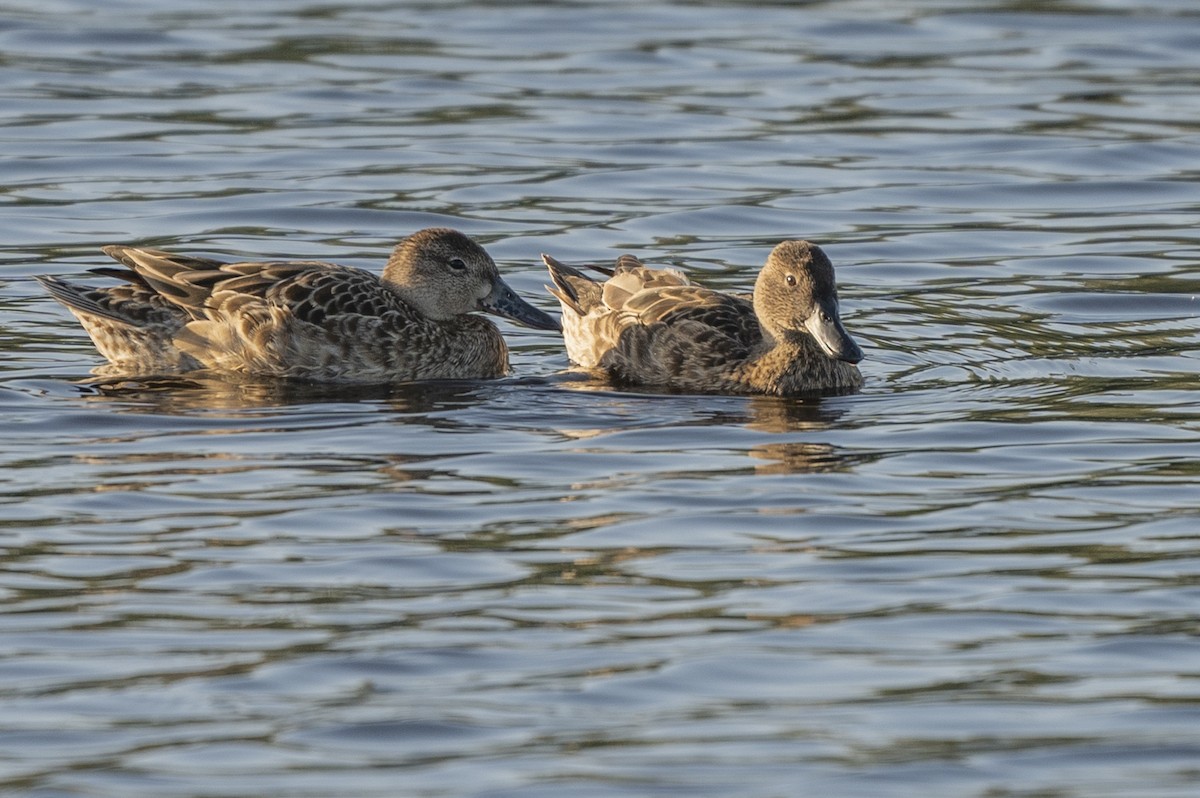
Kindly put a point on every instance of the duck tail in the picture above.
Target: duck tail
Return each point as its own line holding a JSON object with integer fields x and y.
{"x": 562, "y": 275}
{"x": 76, "y": 297}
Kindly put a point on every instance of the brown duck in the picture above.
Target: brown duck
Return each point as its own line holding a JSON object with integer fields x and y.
{"x": 656, "y": 328}
{"x": 305, "y": 319}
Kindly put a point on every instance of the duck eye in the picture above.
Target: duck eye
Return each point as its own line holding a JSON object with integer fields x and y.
{"x": 458, "y": 264}
{"x": 790, "y": 280}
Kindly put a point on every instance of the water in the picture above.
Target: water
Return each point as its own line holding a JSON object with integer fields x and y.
{"x": 978, "y": 577}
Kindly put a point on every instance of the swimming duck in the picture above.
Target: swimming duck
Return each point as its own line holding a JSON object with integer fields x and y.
{"x": 654, "y": 327}
{"x": 305, "y": 319}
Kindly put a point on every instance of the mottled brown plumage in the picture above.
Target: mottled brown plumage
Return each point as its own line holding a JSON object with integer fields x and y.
{"x": 305, "y": 319}
{"x": 656, "y": 328}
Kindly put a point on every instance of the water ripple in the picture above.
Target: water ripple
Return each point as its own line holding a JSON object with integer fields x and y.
{"x": 976, "y": 577}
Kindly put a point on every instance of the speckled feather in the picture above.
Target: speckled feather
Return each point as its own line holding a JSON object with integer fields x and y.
{"x": 654, "y": 327}
{"x": 303, "y": 319}
{"x": 131, "y": 325}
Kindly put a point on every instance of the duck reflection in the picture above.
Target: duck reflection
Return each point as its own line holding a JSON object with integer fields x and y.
{"x": 781, "y": 415}
{"x": 204, "y": 390}
{"x": 799, "y": 457}
{"x": 624, "y": 410}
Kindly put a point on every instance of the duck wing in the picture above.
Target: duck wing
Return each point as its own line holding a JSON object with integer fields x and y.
{"x": 580, "y": 293}
{"x": 631, "y": 277}
{"x": 696, "y": 307}
{"x": 282, "y": 318}
{"x": 310, "y": 290}
{"x": 667, "y": 296}
{"x": 646, "y": 324}
{"x": 664, "y": 330}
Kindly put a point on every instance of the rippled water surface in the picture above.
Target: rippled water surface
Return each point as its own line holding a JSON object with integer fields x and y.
{"x": 980, "y": 576}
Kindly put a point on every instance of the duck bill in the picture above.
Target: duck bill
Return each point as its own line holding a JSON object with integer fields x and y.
{"x": 826, "y": 326}
{"x": 503, "y": 301}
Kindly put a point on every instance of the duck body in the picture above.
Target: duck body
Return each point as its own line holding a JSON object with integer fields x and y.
{"x": 305, "y": 319}
{"x": 656, "y": 328}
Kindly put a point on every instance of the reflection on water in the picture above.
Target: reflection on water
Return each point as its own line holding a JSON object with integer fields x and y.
{"x": 976, "y": 577}
{"x": 800, "y": 457}
{"x": 208, "y": 391}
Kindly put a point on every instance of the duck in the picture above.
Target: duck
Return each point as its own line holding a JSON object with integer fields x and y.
{"x": 305, "y": 319}
{"x": 656, "y": 328}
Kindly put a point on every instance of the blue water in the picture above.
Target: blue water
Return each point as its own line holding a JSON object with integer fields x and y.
{"x": 980, "y": 576}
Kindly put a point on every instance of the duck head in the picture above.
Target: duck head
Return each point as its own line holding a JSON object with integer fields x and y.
{"x": 796, "y": 293}
{"x": 443, "y": 273}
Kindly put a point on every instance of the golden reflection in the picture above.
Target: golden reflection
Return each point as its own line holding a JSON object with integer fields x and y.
{"x": 797, "y": 457}
{"x": 776, "y": 414}
{"x": 203, "y": 390}
{"x": 792, "y": 621}
{"x": 593, "y": 566}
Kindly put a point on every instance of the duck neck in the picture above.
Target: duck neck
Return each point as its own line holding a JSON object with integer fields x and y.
{"x": 792, "y": 361}
{"x": 787, "y": 343}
